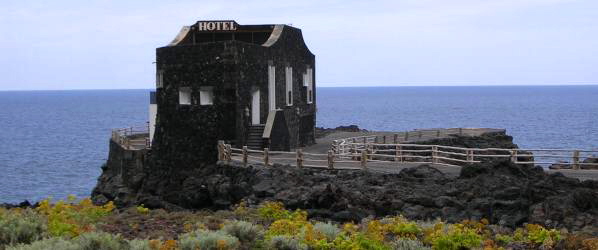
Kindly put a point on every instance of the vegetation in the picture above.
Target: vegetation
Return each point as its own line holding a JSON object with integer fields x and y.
{"x": 78, "y": 224}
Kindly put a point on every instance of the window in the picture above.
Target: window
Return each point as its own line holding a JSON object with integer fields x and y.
{"x": 305, "y": 79}
{"x": 308, "y": 81}
{"x": 159, "y": 78}
{"x": 206, "y": 95}
{"x": 185, "y": 96}
{"x": 289, "y": 83}
{"x": 272, "y": 87}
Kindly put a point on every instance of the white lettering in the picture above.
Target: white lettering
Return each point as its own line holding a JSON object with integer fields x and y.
{"x": 216, "y": 26}
{"x": 202, "y": 26}
{"x": 210, "y": 26}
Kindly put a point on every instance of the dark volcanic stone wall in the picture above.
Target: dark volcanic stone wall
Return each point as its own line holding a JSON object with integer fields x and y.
{"x": 501, "y": 192}
{"x": 186, "y": 135}
{"x": 122, "y": 176}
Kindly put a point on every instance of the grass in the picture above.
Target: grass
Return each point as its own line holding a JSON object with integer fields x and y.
{"x": 78, "y": 224}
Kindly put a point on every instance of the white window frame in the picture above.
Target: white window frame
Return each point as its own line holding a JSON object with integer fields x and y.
{"x": 206, "y": 95}
{"x": 289, "y": 84}
{"x": 159, "y": 78}
{"x": 272, "y": 87}
{"x": 309, "y": 82}
{"x": 184, "y": 95}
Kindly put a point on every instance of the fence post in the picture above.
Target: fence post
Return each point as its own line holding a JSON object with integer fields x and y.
{"x": 460, "y": 131}
{"x": 364, "y": 158}
{"x": 299, "y": 158}
{"x": 576, "y": 159}
{"x": 330, "y": 159}
{"x": 407, "y": 136}
{"x": 266, "y": 157}
{"x": 220, "y": 150}
{"x": 384, "y": 139}
{"x": 514, "y": 156}
{"x": 229, "y": 153}
{"x": 396, "y": 138}
{"x": 399, "y": 153}
{"x": 375, "y": 139}
{"x": 365, "y": 139}
{"x": 434, "y": 154}
{"x": 438, "y": 133}
{"x": 245, "y": 155}
{"x": 470, "y": 156}
{"x": 420, "y": 134}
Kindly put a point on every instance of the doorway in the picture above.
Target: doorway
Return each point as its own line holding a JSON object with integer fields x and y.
{"x": 255, "y": 107}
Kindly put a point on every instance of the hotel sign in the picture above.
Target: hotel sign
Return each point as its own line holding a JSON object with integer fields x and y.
{"x": 217, "y": 26}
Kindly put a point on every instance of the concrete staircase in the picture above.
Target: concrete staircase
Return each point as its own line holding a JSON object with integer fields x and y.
{"x": 255, "y": 140}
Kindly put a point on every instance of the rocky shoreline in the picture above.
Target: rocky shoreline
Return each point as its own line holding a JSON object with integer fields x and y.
{"x": 501, "y": 192}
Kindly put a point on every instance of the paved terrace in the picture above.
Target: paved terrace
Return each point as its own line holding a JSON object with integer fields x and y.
{"x": 315, "y": 155}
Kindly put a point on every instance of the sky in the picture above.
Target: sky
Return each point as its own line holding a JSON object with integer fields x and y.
{"x": 111, "y": 44}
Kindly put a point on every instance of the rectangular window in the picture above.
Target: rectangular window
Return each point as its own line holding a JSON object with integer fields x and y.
{"x": 289, "y": 83}
{"x": 159, "y": 78}
{"x": 272, "y": 87}
{"x": 185, "y": 96}
{"x": 309, "y": 81}
{"x": 206, "y": 95}
{"x": 305, "y": 79}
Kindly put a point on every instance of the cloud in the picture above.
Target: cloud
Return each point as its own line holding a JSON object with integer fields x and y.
{"x": 67, "y": 43}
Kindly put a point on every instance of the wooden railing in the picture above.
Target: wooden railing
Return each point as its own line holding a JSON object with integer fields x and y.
{"x": 409, "y": 136}
{"x": 375, "y": 150}
{"x": 132, "y": 138}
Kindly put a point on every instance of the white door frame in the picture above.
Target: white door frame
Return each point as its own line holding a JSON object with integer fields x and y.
{"x": 271, "y": 87}
{"x": 255, "y": 106}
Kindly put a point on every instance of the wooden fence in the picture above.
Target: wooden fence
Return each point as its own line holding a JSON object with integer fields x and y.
{"x": 378, "y": 150}
{"x": 132, "y": 138}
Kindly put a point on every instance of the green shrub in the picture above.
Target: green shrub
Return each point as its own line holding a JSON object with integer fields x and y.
{"x": 145, "y": 244}
{"x": 364, "y": 242}
{"x": 275, "y": 211}
{"x": 51, "y": 243}
{"x": 283, "y": 242}
{"x": 408, "y": 244}
{"x": 329, "y": 230}
{"x": 101, "y": 241}
{"x": 208, "y": 240}
{"x": 457, "y": 238}
{"x": 541, "y": 236}
{"x": 244, "y": 231}
{"x": 404, "y": 228}
{"x": 21, "y": 226}
{"x": 503, "y": 239}
{"x": 139, "y": 244}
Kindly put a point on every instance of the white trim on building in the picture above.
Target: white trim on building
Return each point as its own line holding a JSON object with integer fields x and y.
{"x": 272, "y": 87}
{"x": 289, "y": 87}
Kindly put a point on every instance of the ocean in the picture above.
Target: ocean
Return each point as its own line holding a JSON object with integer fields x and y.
{"x": 53, "y": 143}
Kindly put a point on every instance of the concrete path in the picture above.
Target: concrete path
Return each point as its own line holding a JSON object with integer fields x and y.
{"x": 323, "y": 145}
